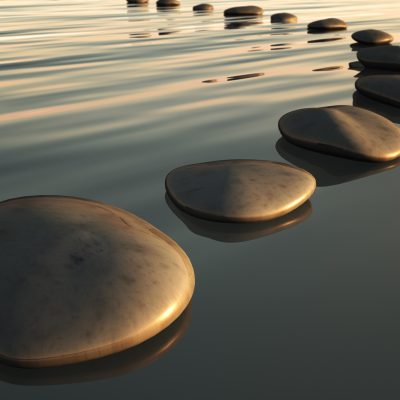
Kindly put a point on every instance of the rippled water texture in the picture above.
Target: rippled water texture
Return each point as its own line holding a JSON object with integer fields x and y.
{"x": 101, "y": 100}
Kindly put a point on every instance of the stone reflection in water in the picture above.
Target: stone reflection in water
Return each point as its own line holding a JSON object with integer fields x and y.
{"x": 333, "y": 68}
{"x": 244, "y": 76}
{"x": 240, "y": 23}
{"x": 233, "y": 232}
{"x": 325, "y": 40}
{"x": 386, "y": 110}
{"x": 112, "y": 366}
{"x": 329, "y": 170}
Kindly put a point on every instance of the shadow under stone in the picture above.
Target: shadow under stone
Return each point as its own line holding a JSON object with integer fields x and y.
{"x": 386, "y": 110}
{"x": 231, "y": 232}
{"x": 117, "y": 364}
{"x": 330, "y": 170}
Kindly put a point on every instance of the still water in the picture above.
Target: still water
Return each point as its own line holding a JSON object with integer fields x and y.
{"x": 101, "y": 100}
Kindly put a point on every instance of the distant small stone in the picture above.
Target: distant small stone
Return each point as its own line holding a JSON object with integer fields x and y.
{"x": 382, "y": 57}
{"x": 168, "y": 3}
{"x": 239, "y": 190}
{"x": 243, "y": 11}
{"x": 284, "y": 18}
{"x": 385, "y": 88}
{"x": 203, "y": 7}
{"x": 372, "y": 36}
{"x": 344, "y": 131}
{"x": 138, "y": 1}
{"x": 329, "y": 24}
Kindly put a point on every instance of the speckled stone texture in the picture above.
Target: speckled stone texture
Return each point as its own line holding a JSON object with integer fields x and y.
{"x": 80, "y": 280}
{"x": 243, "y": 11}
{"x": 239, "y": 190}
{"x": 383, "y": 57}
{"x": 344, "y": 131}
{"x": 372, "y": 36}
{"x": 283, "y": 18}
{"x": 328, "y": 24}
{"x": 203, "y": 7}
{"x": 384, "y": 88}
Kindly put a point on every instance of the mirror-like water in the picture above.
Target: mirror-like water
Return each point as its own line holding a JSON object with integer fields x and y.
{"x": 101, "y": 100}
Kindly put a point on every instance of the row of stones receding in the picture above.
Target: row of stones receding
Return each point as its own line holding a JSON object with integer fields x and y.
{"x": 77, "y": 253}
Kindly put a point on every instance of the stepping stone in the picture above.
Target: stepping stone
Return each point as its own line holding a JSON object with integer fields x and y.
{"x": 239, "y": 190}
{"x": 329, "y": 24}
{"x": 240, "y": 232}
{"x": 344, "y": 131}
{"x": 372, "y": 36}
{"x": 384, "y": 88}
{"x": 330, "y": 170}
{"x": 168, "y": 3}
{"x": 81, "y": 279}
{"x": 283, "y": 18}
{"x": 243, "y": 11}
{"x": 384, "y": 57}
{"x": 203, "y": 7}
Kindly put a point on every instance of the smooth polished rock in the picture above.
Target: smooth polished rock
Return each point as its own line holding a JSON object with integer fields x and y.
{"x": 81, "y": 279}
{"x": 372, "y": 36}
{"x": 168, "y": 3}
{"x": 239, "y": 190}
{"x": 137, "y": 1}
{"x": 243, "y": 11}
{"x": 385, "y": 88}
{"x": 344, "y": 131}
{"x": 383, "y": 57}
{"x": 283, "y": 18}
{"x": 203, "y": 7}
{"x": 328, "y": 24}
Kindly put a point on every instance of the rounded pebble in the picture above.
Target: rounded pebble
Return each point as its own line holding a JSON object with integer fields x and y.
{"x": 329, "y": 24}
{"x": 203, "y": 7}
{"x": 372, "y": 36}
{"x": 138, "y": 1}
{"x": 384, "y": 57}
{"x": 243, "y": 11}
{"x": 384, "y": 88}
{"x": 239, "y": 190}
{"x": 344, "y": 131}
{"x": 168, "y": 3}
{"x": 81, "y": 279}
{"x": 284, "y": 18}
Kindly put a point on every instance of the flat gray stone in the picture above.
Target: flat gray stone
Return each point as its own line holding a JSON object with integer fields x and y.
{"x": 243, "y": 11}
{"x": 383, "y": 57}
{"x": 81, "y": 279}
{"x": 384, "y": 88}
{"x": 328, "y": 24}
{"x": 283, "y": 18}
{"x": 372, "y": 36}
{"x": 239, "y": 190}
{"x": 344, "y": 131}
{"x": 203, "y": 7}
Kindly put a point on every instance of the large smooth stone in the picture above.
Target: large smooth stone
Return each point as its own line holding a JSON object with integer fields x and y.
{"x": 344, "y": 131}
{"x": 203, "y": 7}
{"x": 385, "y": 57}
{"x": 328, "y": 24}
{"x": 283, "y": 18}
{"x": 384, "y": 88}
{"x": 372, "y": 36}
{"x": 243, "y": 11}
{"x": 81, "y": 279}
{"x": 239, "y": 190}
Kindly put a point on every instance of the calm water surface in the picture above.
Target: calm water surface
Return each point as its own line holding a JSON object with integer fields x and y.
{"x": 101, "y": 100}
